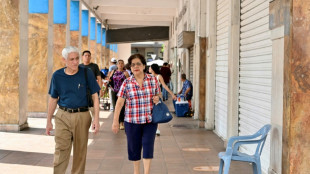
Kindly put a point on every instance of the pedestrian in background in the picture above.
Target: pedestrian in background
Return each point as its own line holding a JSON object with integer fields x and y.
{"x": 187, "y": 90}
{"x": 154, "y": 70}
{"x": 111, "y": 92}
{"x": 86, "y": 58}
{"x": 118, "y": 77}
{"x": 166, "y": 74}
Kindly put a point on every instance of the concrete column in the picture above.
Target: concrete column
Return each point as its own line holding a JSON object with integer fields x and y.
{"x": 211, "y": 62}
{"x": 106, "y": 56}
{"x": 50, "y": 43}
{"x": 105, "y": 50}
{"x": 89, "y": 31}
{"x": 202, "y": 80}
{"x": 110, "y": 53}
{"x": 68, "y": 35}
{"x": 75, "y": 23}
{"x": 13, "y": 64}
{"x": 37, "y": 57}
{"x": 233, "y": 70}
{"x": 292, "y": 17}
{"x": 59, "y": 41}
{"x": 277, "y": 37}
{"x": 80, "y": 28}
{"x": 201, "y": 83}
{"x": 98, "y": 55}
{"x": 98, "y": 45}
{"x": 59, "y": 32}
{"x": 278, "y": 40}
{"x": 84, "y": 43}
{"x": 92, "y": 37}
{"x": 85, "y": 22}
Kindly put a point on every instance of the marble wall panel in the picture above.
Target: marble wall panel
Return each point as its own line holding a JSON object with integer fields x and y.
{"x": 98, "y": 55}
{"x": 107, "y": 56}
{"x": 111, "y": 54}
{"x": 300, "y": 133}
{"x": 103, "y": 57}
{"x": 84, "y": 43}
{"x": 286, "y": 107}
{"x": 9, "y": 62}
{"x": 93, "y": 49}
{"x": 299, "y": 130}
{"x": 74, "y": 41}
{"x": 59, "y": 44}
{"x": 279, "y": 11}
{"x": 37, "y": 63}
{"x": 202, "y": 78}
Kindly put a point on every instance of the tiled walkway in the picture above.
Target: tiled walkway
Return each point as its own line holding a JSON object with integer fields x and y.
{"x": 182, "y": 148}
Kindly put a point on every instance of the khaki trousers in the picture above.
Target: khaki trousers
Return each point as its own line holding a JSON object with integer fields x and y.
{"x": 71, "y": 128}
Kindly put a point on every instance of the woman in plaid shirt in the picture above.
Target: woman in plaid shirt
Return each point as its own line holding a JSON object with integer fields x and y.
{"x": 140, "y": 91}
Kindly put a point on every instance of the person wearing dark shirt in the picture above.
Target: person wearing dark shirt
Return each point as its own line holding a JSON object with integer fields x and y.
{"x": 187, "y": 89}
{"x": 165, "y": 73}
{"x": 86, "y": 57}
{"x": 72, "y": 120}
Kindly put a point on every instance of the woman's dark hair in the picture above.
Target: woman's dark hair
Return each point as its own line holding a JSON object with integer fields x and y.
{"x": 127, "y": 66}
{"x": 139, "y": 56}
{"x": 155, "y": 68}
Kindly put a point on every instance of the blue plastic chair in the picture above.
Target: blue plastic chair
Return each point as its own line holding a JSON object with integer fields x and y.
{"x": 233, "y": 153}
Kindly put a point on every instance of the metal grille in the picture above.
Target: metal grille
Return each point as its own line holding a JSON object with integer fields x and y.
{"x": 221, "y": 80}
{"x": 255, "y": 72}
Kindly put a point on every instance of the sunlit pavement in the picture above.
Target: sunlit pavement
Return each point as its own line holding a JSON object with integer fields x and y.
{"x": 181, "y": 148}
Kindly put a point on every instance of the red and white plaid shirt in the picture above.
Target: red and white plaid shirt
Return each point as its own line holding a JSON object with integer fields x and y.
{"x": 139, "y": 100}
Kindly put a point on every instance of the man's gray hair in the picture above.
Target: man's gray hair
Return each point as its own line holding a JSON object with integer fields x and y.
{"x": 67, "y": 50}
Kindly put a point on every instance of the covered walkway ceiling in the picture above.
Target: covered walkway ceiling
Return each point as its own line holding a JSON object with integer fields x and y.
{"x": 116, "y": 14}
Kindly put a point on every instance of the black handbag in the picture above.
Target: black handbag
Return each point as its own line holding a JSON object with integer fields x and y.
{"x": 90, "y": 101}
{"x": 111, "y": 81}
{"x": 161, "y": 113}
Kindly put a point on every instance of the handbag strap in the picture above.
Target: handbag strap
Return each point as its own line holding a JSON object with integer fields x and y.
{"x": 111, "y": 78}
{"x": 85, "y": 72}
{"x": 113, "y": 74}
{"x": 153, "y": 92}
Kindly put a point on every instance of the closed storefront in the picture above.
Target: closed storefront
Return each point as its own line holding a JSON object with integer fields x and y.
{"x": 221, "y": 74}
{"x": 255, "y": 72}
{"x": 191, "y": 63}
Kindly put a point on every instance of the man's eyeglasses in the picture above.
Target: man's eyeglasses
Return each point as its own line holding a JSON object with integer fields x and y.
{"x": 134, "y": 64}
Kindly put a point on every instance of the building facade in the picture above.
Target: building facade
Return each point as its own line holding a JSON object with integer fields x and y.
{"x": 249, "y": 65}
{"x": 33, "y": 34}
{"x": 248, "y": 61}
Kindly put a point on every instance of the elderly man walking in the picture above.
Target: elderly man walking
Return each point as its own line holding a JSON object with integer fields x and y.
{"x": 72, "y": 120}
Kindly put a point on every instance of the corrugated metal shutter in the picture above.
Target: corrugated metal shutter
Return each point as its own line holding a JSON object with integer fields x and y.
{"x": 255, "y": 72}
{"x": 221, "y": 81}
{"x": 191, "y": 64}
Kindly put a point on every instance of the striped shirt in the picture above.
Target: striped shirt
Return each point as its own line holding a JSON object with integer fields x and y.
{"x": 139, "y": 100}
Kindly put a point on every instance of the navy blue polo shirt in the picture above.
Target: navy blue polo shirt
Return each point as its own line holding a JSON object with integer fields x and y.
{"x": 71, "y": 89}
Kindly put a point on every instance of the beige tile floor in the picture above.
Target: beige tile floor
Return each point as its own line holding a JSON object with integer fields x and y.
{"x": 182, "y": 148}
